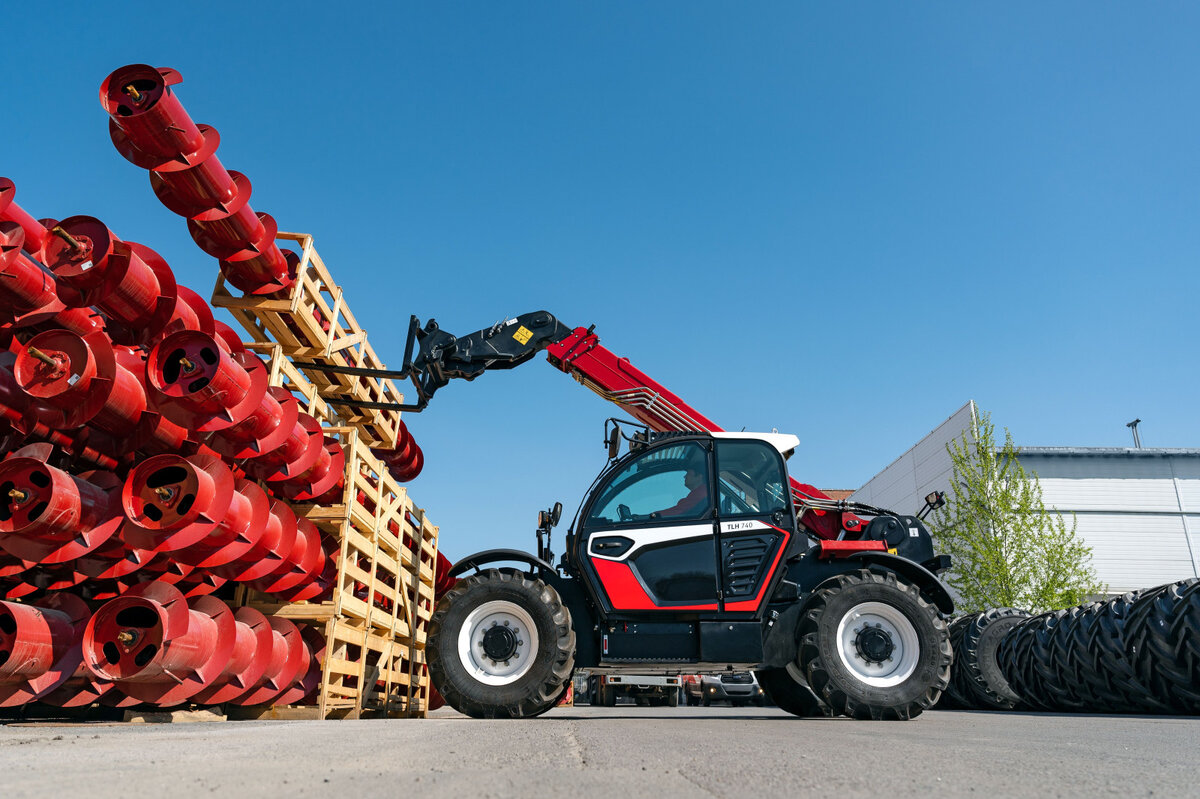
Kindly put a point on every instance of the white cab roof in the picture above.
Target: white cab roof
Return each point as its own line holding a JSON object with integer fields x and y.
{"x": 784, "y": 442}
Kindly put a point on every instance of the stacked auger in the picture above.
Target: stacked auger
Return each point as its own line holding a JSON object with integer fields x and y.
{"x": 151, "y": 129}
{"x": 147, "y": 461}
{"x": 1136, "y": 653}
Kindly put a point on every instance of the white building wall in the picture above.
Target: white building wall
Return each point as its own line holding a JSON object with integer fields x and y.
{"x": 1131, "y": 507}
{"x": 926, "y": 467}
{"x": 1139, "y": 510}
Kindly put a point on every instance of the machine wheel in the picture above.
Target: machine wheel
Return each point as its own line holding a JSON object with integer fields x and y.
{"x": 1162, "y": 633}
{"x": 501, "y": 646}
{"x": 705, "y": 701}
{"x": 872, "y": 648}
{"x": 957, "y": 696}
{"x": 788, "y": 689}
{"x": 975, "y": 666}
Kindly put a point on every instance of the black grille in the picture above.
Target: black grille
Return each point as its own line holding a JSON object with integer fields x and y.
{"x": 736, "y": 679}
{"x": 743, "y": 558}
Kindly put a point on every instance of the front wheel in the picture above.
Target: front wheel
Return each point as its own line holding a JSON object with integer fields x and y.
{"x": 872, "y": 648}
{"x": 501, "y": 646}
{"x": 789, "y": 691}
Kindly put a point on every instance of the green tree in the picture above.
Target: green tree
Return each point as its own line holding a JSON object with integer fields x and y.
{"x": 1008, "y": 550}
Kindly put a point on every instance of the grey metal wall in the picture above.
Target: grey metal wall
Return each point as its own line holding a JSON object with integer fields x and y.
{"x": 1139, "y": 510}
{"x": 903, "y": 485}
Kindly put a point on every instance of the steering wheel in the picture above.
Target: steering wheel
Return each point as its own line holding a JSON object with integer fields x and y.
{"x": 624, "y": 512}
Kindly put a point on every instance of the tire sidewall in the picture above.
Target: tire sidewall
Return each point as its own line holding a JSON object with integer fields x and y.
{"x": 929, "y": 638}
{"x": 452, "y": 678}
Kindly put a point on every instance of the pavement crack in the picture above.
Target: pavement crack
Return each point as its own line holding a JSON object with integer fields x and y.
{"x": 576, "y": 746}
{"x": 692, "y": 780}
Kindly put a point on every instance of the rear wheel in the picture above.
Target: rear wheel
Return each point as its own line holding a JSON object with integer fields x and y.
{"x": 501, "y": 646}
{"x": 872, "y": 648}
{"x": 788, "y": 689}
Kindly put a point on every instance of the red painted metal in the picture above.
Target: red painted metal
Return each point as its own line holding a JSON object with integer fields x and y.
{"x": 197, "y": 382}
{"x": 841, "y": 549}
{"x": 289, "y": 659}
{"x": 35, "y": 231}
{"x": 304, "y": 563}
{"x": 253, "y": 643}
{"x": 158, "y": 648}
{"x": 24, "y": 286}
{"x": 443, "y": 582}
{"x": 40, "y": 646}
{"x": 406, "y": 460}
{"x": 270, "y": 554}
{"x": 617, "y": 380}
{"x": 303, "y": 689}
{"x": 76, "y": 380}
{"x": 174, "y": 502}
{"x": 130, "y": 282}
{"x": 49, "y": 516}
{"x": 152, "y": 130}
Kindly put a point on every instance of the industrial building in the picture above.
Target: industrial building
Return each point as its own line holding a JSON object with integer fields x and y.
{"x": 1137, "y": 508}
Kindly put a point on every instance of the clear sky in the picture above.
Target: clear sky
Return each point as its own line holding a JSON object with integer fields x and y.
{"x": 839, "y": 220}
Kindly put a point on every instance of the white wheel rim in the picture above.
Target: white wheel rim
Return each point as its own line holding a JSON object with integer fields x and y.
{"x": 906, "y": 650}
{"x": 470, "y": 642}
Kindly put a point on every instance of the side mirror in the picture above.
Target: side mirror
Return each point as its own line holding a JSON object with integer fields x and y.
{"x": 614, "y": 443}
{"x": 542, "y": 519}
{"x": 556, "y": 514}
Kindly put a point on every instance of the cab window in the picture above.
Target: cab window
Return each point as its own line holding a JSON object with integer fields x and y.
{"x": 751, "y": 479}
{"x": 668, "y": 483}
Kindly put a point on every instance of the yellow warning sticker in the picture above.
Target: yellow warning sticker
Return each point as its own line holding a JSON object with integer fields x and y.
{"x": 523, "y": 334}
{"x": 893, "y": 551}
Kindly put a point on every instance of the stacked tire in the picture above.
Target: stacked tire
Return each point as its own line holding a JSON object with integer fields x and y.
{"x": 1136, "y": 653}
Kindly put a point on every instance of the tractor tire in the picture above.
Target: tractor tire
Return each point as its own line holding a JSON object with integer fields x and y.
{"x": 1163, "y": 644}
{"x": 518, "y": 671}
{"x": 894, "y": 666}
{"x": 957, "y": 695}
{"x": 975, "y": 668}
{"x": 1109, "y": 681}
{"x": 788, "y": 690}
{"x": 1039, "y": 683}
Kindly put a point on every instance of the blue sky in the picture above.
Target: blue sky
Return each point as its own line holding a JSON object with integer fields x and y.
{"x": 839, "y": 220}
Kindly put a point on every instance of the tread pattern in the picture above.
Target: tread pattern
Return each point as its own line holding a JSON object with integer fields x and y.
{"x": 540, "y": 694}
{"x": 840, "y": 696}
{"x": 976, "y": 671}
{"x": 1163, "y": 644}
{"x": 957, "y": 696}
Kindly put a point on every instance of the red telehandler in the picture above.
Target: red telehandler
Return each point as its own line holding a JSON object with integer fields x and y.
{"x": 694, "y": 551}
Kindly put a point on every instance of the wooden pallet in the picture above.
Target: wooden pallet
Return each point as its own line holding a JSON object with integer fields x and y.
{"x": 314, "y": 323}
{"x": 376, "y": 622}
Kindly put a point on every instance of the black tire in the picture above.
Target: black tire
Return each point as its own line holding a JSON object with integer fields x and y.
{"x": 1108, "y": 683}
{"x": 673, "y": 700}
{"x": 843, "y": 690}
{"x": 537, "y": 689}
{"x": 975, "y": 666}
{"x": 705, "y": 701}
{"x": 1041, "y": 683}
{"x": 790, "y": 694}
{"x": 957, "y": 695}
{"x": 1163, "y": 644}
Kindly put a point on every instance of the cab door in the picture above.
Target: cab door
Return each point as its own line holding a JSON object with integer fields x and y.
{"x": 755, "y": 519}
{"x": 649, "y": 536}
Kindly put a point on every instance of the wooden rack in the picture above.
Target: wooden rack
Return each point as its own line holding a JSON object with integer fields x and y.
{"x": 314, "y": 323}
{"x": 376, "y": 621}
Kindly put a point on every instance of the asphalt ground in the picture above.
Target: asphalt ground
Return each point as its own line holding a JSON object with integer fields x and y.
{"x": 620, "y": 752}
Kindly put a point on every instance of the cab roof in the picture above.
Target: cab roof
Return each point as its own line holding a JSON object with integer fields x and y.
{"x": 783, "y": 442}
